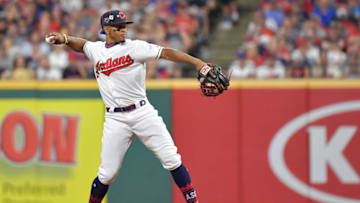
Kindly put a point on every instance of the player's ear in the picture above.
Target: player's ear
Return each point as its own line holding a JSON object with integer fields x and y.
{"x": 106, "y": 30}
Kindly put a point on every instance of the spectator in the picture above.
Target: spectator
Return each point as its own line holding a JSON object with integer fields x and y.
{"x": 325, "y": 11}
{"x": 177, "y": 39}
{"x": 35, "y": 57}
{"x": 353, "y": 10}
{"x": 306, "y": 51}
{"x": 96, "y": 4}
{"x": 336, "y": 61}
{"x": 162, "y": 69}
{"x": 10, "y": 49}
{"x": 2, "y": 29}
{"x": 20, "y": 70}
{"x": 58, "y": 59}
{"x": 226, "y": 22}
{"x": 241, "y": 67}
{"x": 283, "y": 51}
{"x": 184, "y": 21}
{"x": 24, "y": 45}
{"x": 252, "y": 54}
{"x": 288, "y": 31}
{"x": 335, "y": 37}
{"x": 313, "y": 40}
{"x": 354, "y": 71}
{"x": 44, "y": 48}
{"x": 45, "y": 72}
{"x": 74, "y": 71}
{"x": 11, "y": 12}
{"x": 272, "y": 68}
{"x": 272, "y": 12}
{"x": 29, "y": 15}
{"x": 230, "y": 15}
{"x": 352, "y": 66}
{"x": 299, "y": 69}
{"x": 71, "y": 6}
{"x": 56, "y": 19}
{"x": 93, "y": 33}
{"x": 12, "y": 32}
{"x": 5, "y": 62}
{"x": 320, "y": 69}
{"x": 315, "y": 24}
{"x": 43, "y": 25}
{"x": 255, "y": 26}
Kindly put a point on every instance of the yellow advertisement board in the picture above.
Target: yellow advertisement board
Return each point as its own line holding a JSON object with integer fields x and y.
{"x": 49, "y": 149}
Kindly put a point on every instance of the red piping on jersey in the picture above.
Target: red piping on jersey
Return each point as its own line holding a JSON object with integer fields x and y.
{"x": 109, "y": 45}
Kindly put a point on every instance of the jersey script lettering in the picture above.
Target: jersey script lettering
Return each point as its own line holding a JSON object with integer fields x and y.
{"x": 112, "y": 65}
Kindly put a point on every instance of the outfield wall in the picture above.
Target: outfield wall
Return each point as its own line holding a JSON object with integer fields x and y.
{"x": 272, "y": 141}
{"x": 261, "y": 141}
{"x": 50, "y": 146}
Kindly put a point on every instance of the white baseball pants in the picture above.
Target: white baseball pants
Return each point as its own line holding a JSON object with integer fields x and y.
{"x": 118, "y": 133}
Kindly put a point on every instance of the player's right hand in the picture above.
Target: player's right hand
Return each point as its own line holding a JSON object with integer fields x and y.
{"x": 55, "y": 38}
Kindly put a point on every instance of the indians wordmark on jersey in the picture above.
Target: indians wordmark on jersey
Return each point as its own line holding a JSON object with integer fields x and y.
{"x": 120, "y": 69}
{"x": 112, "y": 65}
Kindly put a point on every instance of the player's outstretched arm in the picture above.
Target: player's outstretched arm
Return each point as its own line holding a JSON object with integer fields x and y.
{"x": 75, "y": 43}
{"x": 213, "y": 82}
{"x": 181, "y": 57}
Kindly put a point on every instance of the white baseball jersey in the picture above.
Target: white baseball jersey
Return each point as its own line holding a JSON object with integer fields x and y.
{"x": 120, "y": 70}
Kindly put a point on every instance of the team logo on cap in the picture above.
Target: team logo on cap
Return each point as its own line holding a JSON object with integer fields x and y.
{"x": 122, "y": 15}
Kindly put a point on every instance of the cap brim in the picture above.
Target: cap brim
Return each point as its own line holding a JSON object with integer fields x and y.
{"x": 102, "y": 32}
{"x": 120, "y": 22}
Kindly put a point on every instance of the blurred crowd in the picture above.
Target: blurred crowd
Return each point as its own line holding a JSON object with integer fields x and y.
{"x": 24, "y": 55}
{"x": 301, "y": 39}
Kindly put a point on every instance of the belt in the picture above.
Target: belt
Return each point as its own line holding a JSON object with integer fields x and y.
{"x": 126, "y": 108}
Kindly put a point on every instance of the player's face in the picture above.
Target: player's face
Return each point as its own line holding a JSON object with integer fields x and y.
{"x": 117, "y": 32}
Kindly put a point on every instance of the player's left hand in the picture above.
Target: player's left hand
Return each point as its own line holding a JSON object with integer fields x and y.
{"x": 213, "y": 81}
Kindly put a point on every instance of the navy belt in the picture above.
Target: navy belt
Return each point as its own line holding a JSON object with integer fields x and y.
{"x": 126, "y": 108}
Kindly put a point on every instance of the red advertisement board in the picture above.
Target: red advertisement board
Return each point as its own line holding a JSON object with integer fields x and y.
{"x": 273, "y": 145}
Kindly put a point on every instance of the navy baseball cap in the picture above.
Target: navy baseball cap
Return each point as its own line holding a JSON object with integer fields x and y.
{"x": 113, "y": 17}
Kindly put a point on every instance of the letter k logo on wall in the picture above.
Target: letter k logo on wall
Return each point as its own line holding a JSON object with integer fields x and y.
{"x": 323, "y": 154}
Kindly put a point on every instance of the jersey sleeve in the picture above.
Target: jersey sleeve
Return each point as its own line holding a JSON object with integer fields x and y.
{"x": 145, "y": 50}
{"x": 88, "y": 49}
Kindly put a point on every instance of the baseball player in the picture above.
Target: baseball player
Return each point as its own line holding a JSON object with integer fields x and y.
{"x": 119, "y": 66}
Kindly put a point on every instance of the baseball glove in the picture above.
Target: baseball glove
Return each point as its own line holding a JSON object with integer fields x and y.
{"x": 213, "y": 82}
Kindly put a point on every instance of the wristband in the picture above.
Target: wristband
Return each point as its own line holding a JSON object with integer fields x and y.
{"x": 205, "y": 69}
{"x": 66, "y": 38}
